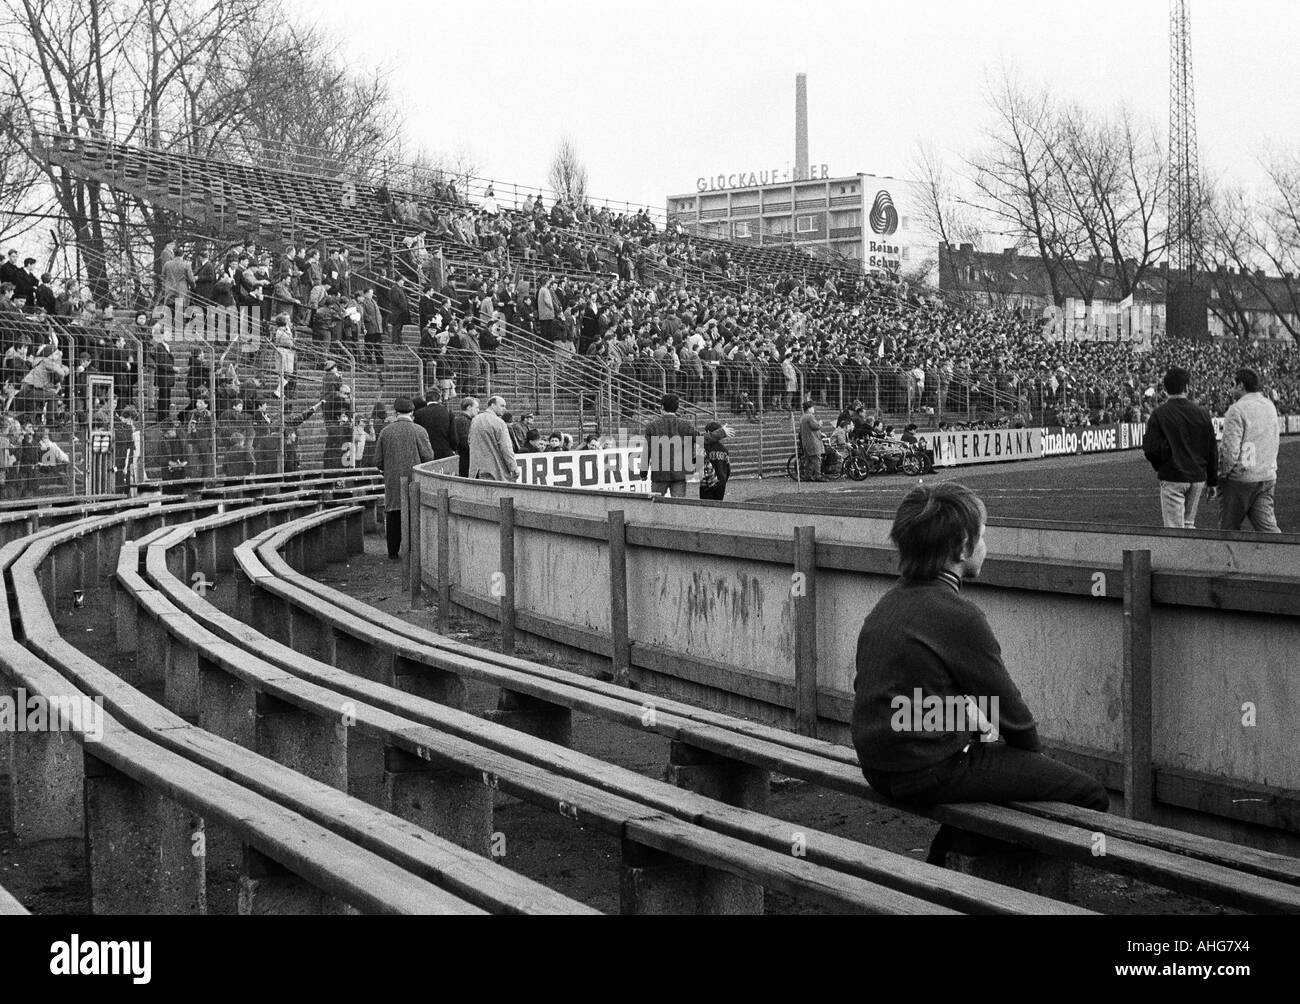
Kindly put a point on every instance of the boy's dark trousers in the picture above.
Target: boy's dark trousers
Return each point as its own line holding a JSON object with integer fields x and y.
{"x": 987, "y": 772}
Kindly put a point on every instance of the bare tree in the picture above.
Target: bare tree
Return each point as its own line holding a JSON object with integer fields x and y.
{"x": 1016, "y": 183}
{"x": 1225, "y": 253}
{"x": 23, "y": 202}
{"x": 1111, "y": 173}
{"x": 567, "y": 175}
{"x": 943, "y": 210}
{"x": 229, "y": 78}
{"x": 97, "y": 69}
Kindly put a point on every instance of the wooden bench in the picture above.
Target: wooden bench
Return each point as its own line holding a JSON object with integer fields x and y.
{"x": 469, "y": 876}
{"x": 1217, "y": 870}
{"x": 514, "y": 759}
{"x": 144, "y": 812}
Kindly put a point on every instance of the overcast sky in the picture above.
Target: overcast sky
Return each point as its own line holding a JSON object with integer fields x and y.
{"x": 658, "y": 93}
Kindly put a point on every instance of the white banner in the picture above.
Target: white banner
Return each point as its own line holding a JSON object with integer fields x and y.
{"x": 617, "y": 470}
{"x": 983, "y": 446}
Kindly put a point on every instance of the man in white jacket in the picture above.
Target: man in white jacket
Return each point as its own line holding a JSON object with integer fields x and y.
{"x": 1248, "y": 458}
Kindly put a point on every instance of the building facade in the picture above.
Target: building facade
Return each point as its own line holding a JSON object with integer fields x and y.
{"x": 1092, "y": 304}
{"x": 863, "y": 217}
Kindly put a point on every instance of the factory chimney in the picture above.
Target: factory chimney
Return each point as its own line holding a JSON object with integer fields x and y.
{"x": 801, "y": 125}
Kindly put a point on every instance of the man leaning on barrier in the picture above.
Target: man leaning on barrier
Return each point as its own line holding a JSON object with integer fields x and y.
{"x": 925, "y": 640}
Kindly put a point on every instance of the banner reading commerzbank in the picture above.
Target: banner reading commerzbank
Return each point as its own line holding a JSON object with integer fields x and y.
{"x": 617, "y": 470}
{"x": 983, "y": 446}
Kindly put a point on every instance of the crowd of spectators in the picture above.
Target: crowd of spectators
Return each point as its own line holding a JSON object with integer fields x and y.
{"x": 694, "y": 316}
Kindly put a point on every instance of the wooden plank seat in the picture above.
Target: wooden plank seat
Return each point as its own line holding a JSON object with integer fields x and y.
{"x": 1217, "y": 870}
{"x": 142, "y": 813}
{"x": 441, "y": 876}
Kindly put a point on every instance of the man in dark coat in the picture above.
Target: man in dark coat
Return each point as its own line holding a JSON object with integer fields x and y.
{"x": 672, "y": 449}
{"x": 398, "y": 310}
{"x": 464, "y": 418}
{"x": 402, "y": 444}
{"x": 436, "y": 420}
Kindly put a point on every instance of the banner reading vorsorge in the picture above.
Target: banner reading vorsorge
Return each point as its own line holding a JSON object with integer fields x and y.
{"x": 617, "y": 470}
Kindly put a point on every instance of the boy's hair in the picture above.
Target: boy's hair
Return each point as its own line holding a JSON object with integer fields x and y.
{"x": 933, "y": 526}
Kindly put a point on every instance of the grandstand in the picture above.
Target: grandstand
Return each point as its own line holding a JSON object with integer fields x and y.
{"x": 776, "y": 324}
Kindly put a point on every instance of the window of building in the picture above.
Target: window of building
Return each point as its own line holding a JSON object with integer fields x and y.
{"x": 742, "y": 229}
{"x": 779, "y": 226}
{"x": 904, "y": 223}
{"x": 806, "y": 224}
{"x": 906, "y": 253}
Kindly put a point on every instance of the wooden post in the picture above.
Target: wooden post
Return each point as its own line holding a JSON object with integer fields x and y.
{"x": 618, "y": 627}
{"x": 405, "y": 510}
{"x": 413, "y": 542}
{"x": 444, "y": 559}
{"x": 1137, "y": 685}
{"x": 506, "y": 570}
{"x": 803, "y": 591}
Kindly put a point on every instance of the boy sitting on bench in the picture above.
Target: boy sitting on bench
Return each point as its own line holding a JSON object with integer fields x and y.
{"x": 936, "y": 717}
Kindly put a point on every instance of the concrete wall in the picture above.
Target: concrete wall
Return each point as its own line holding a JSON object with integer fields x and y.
{"x": 1065, "y": 652}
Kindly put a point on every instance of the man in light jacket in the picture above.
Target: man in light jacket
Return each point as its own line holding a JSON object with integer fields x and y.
{"x": 1248, "y": 458}
{"x": 547, "y": 309}
{"x": 491, "y": 454}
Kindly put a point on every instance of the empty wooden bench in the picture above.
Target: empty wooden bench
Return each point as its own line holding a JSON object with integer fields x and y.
{"x": 401, "y": 845}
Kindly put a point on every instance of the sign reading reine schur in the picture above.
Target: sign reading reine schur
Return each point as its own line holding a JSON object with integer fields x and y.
{"x": 756, "y": 179}
{"x": 617, "y": 470}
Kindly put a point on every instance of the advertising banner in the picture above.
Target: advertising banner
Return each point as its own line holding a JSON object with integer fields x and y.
{"x": 983, "y": 446}
{"x": 1058, "y": 442}
{"x": 617, "y": 470}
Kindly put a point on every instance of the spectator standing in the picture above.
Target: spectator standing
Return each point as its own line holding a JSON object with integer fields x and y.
{"x": 717, "y": 465}
{"x": 672, "y": 448}
{"x": 436, "y": 420}
{"x": 26, "y": 284}
{"x": 46, "y": 301}
{"x": 198, "y": 437}
{"x": 399, "y": 311}
{"x": 547, "y": 309}
{"x": 464, "y": 419}
{"x": 1248, "y": 458}
{"x": 811, "y": 448}
{"x": 373, "y": 326}
{"x": 178, "y": 279}
{"x": 1179, "y": 444}
{"x": 491, "y": 452}
{"x": 401, "y": 445}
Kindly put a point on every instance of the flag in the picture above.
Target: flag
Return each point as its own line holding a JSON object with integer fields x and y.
{"x": 1126, "y": 303}
{"x": 880, "y": 349}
